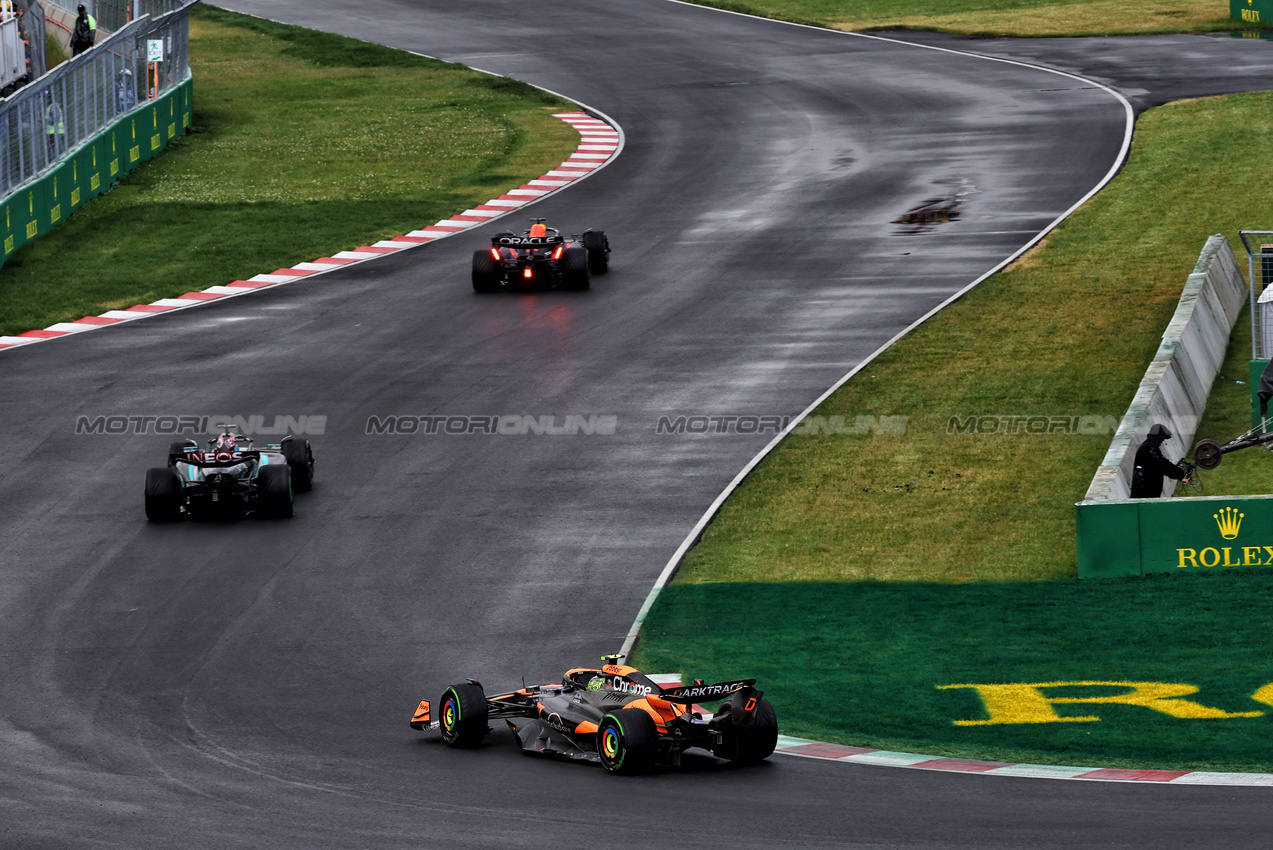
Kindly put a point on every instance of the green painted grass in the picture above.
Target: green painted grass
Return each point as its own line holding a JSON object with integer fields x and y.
{"x": 999, "y": 17}
{"x": 303, "y": 144}
{"x": 855, "y": 574}
{"x": 861, "y": 663}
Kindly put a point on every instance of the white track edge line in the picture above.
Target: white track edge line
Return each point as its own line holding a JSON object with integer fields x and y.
{"x": 696, "y": 532}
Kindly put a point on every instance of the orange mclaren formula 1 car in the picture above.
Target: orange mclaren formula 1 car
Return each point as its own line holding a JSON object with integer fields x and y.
{"x": 613, "y": 715}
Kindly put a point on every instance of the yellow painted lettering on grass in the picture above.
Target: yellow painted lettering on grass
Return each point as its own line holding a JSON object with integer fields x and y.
{"x": 1026, "y": 703}
{"x": 1264, "y": 695}
{"x": 1192, "y": 557}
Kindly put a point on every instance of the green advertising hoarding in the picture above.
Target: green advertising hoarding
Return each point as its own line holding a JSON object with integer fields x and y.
{"x": 1252, "y": 11}
{"x": 94, "y": 168}
{"x": 1141, "y": 536}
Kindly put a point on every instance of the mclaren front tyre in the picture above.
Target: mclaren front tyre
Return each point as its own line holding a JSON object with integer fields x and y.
{"x": 462, "y": 715}
{"x": 627, "y": 741}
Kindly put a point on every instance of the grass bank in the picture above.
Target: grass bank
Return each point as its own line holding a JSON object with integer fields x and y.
{"x": 975, "y": 532}
{"x": 303, "y": 144}
{"x": 999, "y": 17}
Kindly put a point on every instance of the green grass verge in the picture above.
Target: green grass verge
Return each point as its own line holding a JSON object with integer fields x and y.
{"x": 303, "y": 144}
{"x": 863, "y": 663}
{"x": 975, "y": 532}
{"x": 999, "y": 17}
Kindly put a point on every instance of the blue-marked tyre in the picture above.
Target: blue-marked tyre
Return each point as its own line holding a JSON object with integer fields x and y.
{"x": 163, "y": 495}
{"x": 462, "y": 715}
{"x": 627, "y": 741}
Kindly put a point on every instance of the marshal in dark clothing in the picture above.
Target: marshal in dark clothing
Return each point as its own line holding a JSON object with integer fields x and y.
{"x": 1151, "y": 466}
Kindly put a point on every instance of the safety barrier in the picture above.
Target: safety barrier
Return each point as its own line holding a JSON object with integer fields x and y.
{"x": 62, "y": 137}
{"x": 1118, "y": 535}
{"x": 94, "y": 167}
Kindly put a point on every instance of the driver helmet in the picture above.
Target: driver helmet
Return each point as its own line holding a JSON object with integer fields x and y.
{"x": 227, "y": 442}
{"x": 538, "y": 229}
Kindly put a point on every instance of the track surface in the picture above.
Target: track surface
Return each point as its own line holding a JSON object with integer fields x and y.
{"x": 249, "y": 684}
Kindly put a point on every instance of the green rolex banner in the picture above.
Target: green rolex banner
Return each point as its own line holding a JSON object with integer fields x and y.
{"x": 1182, "y": 535}
{"x": 1252, "y": 11}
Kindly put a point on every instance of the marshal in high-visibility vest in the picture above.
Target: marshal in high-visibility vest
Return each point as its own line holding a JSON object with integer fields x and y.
{"x": 54, "y": 127}
{"x": 85, "y": 32}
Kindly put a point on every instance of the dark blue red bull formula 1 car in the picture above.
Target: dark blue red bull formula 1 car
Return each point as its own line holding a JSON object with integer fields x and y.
{"x": 540, "y": 258}
{"x": 613, "y": 715}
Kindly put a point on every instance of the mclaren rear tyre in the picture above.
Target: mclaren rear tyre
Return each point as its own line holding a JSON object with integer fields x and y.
{"x": 485, "y": 272}
{"x": 574, "y": 269}
{"x": 1207, "y": 454}
{"x": 163, "y": 495}
{"x": 627, "y": 741}
{"x": 598, "y": 248}
{"x": 274, "y": 495}
{"x": 754, "y": 739}
{"x": 462, "y": 715}
{"x": 300, "y": 459}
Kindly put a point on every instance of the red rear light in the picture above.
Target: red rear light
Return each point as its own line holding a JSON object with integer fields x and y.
{"x": 557, "y": 253}
{"x": 495, "y": 253}
{"x": 526, "y": 274}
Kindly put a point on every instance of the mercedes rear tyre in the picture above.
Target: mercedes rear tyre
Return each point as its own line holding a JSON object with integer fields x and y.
{"x": 598, "y": 248}
{"x": 462, "y": 715}
{"x": 485, "y": 272}
{"x": 274, "y": 490}
{"x": 574, "y": 269}
{"x": 163, "y": 495}
{"x": 627, "y": 741}
{"x": 300, "y": 459}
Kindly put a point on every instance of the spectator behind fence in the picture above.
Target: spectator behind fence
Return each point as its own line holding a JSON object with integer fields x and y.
{"x": 54, "y": 127}
{"x": 85, "y": 32}
{"x": 125, "y": 92}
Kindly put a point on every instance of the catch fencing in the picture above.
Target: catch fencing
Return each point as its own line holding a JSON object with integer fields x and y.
{"x": 113, "y": 15}
{"x": 47, "y": 121}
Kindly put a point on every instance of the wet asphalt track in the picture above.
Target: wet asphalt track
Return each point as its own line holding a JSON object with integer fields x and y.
{"x": 249, "y": 684}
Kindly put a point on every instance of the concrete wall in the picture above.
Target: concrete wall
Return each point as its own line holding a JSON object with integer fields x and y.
{"x": 1176, "y": 385}
{"x": 60, "y": 24}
